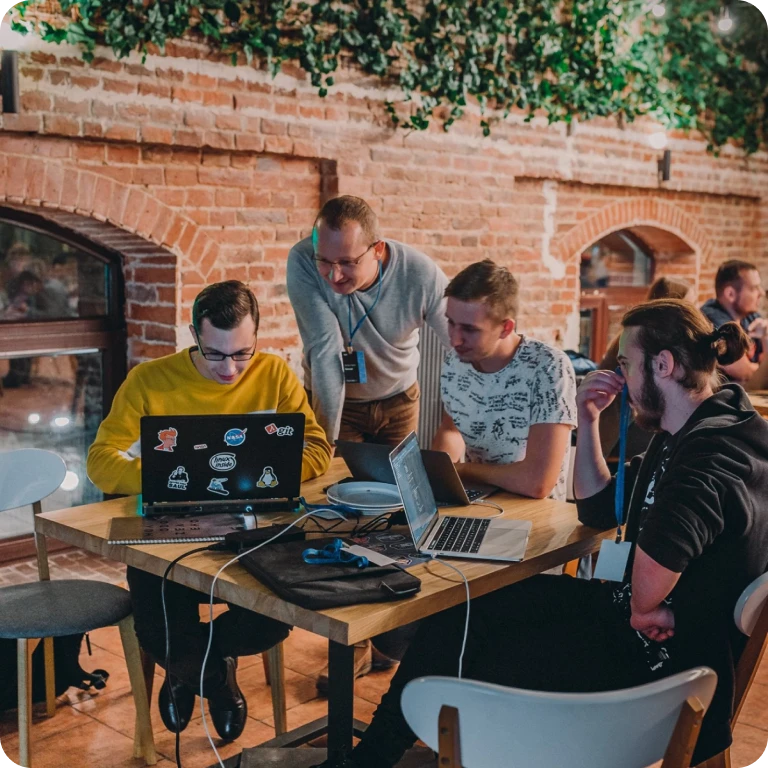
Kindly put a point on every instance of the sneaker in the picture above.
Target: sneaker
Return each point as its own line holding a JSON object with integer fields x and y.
{"x": 367, "y": 658}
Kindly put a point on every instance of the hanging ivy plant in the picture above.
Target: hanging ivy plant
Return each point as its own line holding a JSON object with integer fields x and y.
{"x": 566, "y": 59}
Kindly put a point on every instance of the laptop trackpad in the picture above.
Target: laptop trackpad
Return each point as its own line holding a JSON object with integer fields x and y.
{"x": 507, "y": 539}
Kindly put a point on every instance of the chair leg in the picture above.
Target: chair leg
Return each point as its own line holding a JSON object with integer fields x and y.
{"x": 144, "y": 742}
{"x": 148, "y": 670}
{"x": 683, "y": 741}
{"x": 449, "y": 745}
{"x": 274, "y": 662}
{"x": 50, "y": 677}
{"x": 24, "y": 683}
{"x": 265, "y": 664}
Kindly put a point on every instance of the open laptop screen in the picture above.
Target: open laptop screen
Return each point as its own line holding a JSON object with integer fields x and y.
{"x": 415, "y": 490}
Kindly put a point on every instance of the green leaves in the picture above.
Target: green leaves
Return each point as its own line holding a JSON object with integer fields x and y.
{"x": 563, "y": 59}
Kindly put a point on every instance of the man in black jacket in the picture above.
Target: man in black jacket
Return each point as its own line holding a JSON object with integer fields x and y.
{"x": 696, "y": 512}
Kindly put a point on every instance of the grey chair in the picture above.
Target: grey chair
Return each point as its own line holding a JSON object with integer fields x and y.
{"x": 46, "y": 609}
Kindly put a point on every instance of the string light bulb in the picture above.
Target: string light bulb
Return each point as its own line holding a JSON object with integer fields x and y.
{"x": 725, "y": 22}
{"x": 658, "y": 10}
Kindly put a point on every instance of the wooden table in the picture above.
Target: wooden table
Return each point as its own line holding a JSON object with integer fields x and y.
{"x": 759, "y": 399}
{"x": 556, "y": 538}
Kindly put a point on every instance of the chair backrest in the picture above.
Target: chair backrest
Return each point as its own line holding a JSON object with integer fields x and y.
{"x": 751, "y": 617}
{"x": 509, "y": 727}
{"x": 28, "y": 476}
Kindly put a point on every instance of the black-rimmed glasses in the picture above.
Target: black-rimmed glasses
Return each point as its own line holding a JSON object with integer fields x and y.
{"x": 217, "y": 357}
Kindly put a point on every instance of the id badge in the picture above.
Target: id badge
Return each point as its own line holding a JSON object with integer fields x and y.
{"x": 354, "y": 367}
{"x": 612, "y": 561}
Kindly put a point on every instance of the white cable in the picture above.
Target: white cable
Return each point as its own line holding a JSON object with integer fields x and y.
{"x": 210, "y": 624}
{"x": 466, "y": 621}
{"x": 488, "y": 504}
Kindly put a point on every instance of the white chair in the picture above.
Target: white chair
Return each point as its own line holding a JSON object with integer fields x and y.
{"x": 751, "y": 617}
{"x": 482, "y": 725}
{"x": 46, "y": 609}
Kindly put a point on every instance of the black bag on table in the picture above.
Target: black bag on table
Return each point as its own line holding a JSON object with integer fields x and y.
{"x": 66, "y": 662}
{"x": 280, "y": 567}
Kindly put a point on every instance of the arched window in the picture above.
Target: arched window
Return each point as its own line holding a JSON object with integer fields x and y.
{"x": 619, "y": 259}
{"x": 62, "y": 351}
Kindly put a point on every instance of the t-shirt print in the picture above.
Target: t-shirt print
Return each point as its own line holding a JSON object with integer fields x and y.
{"x": 494, "y": 411}
{"x": 656, "y": 654}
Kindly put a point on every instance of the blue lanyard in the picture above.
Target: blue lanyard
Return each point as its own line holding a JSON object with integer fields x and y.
{"x": 368, "y": 312}
{"x": 619, "y": 497}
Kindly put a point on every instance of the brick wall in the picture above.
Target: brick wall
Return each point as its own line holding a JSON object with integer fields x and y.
{"x": 226, "y": 168}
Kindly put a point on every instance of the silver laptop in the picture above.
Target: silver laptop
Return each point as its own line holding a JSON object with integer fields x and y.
{"x": 435, "y": 534}
{"x": 369, "y": 461}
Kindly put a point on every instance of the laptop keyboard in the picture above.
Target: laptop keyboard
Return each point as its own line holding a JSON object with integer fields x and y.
{"x": 460, "y": 534}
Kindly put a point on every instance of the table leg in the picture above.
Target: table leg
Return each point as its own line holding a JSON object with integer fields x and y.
{"x": 341, "y": 692}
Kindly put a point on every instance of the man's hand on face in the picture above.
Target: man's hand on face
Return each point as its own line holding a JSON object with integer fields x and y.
{"x": 657, "y": 624}
{"x": 596, "y": 393}
{"x": 758, "y": 328}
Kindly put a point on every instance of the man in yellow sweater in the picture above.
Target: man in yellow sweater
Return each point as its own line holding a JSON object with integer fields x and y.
{"x": 222, "y": 374}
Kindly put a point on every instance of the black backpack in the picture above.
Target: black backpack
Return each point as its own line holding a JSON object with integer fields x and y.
{"x": 66, "y": 656}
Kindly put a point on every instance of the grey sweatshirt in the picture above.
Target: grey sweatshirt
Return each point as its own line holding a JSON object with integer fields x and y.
{"x": 412, "y": 287}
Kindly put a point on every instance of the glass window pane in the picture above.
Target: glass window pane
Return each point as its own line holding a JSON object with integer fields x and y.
{"x": 54, "y": 403}
{"x": 44, "y": 279}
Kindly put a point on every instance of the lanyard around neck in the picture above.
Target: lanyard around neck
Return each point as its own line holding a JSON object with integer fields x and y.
{"x": 620, "y": 473}
{"x": 368, "y": 312}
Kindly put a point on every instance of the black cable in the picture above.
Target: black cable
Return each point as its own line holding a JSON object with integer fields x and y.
{"x": 168, "y": 644}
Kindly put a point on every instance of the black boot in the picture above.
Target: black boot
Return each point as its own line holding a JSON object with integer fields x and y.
{"x": 175, "y": 718}
{"x": 227, "y": 705}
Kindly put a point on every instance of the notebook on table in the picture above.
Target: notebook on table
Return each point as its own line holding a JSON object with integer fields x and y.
{"x": 369, "y": 461}
{"x": 172, "y": 529}
{"x": 197, "y": 465}
{"x": 435, "y": 534}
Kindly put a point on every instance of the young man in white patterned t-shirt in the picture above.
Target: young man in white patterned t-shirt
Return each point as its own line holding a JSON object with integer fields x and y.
{"x": 509, "y": 402}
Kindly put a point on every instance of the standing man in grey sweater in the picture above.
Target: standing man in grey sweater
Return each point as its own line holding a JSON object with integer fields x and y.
{"x": 360, "y": 301}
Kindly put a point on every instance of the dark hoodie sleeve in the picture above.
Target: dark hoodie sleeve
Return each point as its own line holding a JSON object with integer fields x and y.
{"x": 688, "y": 509}
{"x": 597, "y": 510}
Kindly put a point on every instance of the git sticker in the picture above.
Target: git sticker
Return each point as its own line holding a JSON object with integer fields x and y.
{"x": 268, "y": 478}
{"x": 273, "y": 429}
{"x": 235, "y": 437}
{"x": 167, "y": 438}
{"x": 178, "y": 480}
{"x": 223, "y": 462}
{"x": 217, "y": 486}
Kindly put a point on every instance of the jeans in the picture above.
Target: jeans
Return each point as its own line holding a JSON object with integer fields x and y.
{"x": 236, "y": 632}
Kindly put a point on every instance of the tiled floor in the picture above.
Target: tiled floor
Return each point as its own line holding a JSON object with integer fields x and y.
{"x": 96, "y": 729}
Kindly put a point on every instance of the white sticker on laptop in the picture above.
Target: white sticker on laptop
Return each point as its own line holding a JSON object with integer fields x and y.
{"x": 223, "y": 462}
{"x": 268, "y": 478}
{"x": 273, "y": 429}
{"x": 167, "y": 438}
{"x": 200, "y": 446}
{"x": 217, "y": 486}
{"x": 179, "y": 479}
{"x": 235, "y": 437}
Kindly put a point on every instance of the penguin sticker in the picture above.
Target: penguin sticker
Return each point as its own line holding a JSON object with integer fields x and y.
{"x": 268, "y": 478}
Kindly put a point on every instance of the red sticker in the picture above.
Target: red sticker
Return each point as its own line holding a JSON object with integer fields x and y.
{"x": 167, "y": 438}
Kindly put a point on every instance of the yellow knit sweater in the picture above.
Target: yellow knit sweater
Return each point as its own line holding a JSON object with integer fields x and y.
{"x": 172, "y": 385}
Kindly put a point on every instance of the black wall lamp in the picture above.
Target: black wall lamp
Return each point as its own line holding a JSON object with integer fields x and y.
{"x": 664, "y": 164}
{"x": 9, "y": 81}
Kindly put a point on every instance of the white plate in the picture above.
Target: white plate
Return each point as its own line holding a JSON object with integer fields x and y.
{"x": 369, "y": 498}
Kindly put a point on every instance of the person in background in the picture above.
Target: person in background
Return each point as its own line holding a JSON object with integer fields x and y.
{"x": 224, "y": 373}
{"x": 360, "y": 302}
{"x": 738, "y": 293}
{"x": 637, "y": 438}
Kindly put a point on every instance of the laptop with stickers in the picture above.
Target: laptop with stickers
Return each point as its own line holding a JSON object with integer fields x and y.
{"x": 234, "y": 463}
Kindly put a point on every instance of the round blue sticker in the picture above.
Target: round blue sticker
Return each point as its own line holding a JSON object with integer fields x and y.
{"x": 235, "y": 437}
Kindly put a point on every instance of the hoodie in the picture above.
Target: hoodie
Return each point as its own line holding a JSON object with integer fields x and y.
{"x": 705, "y": 517}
